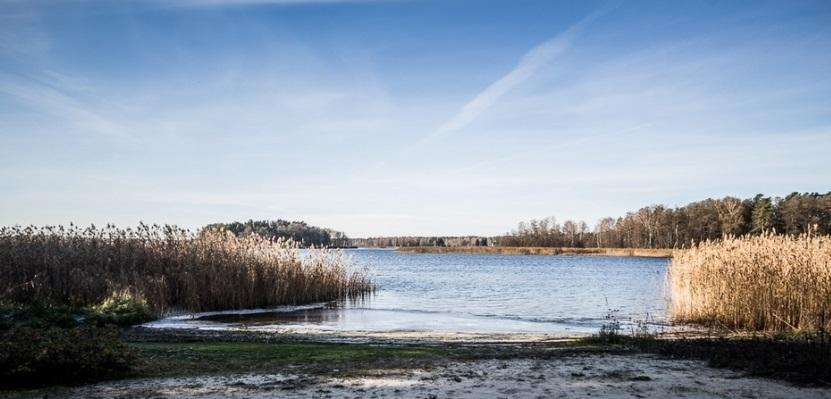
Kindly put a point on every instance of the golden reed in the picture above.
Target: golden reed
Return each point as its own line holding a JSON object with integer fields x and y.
{"x": 170, "y": 268}
{"x": 770, "y": 282}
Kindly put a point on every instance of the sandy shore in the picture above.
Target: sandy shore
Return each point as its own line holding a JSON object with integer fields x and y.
{"x": 597, "y": 376}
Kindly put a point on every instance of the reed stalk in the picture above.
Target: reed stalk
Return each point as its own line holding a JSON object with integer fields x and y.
{"x": 778, "y": 283}
{"x": 170, "y": 268}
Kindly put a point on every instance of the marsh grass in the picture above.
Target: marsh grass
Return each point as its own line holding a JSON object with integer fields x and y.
{"x": 774, "y": 283}
{"x": 168, "y": 269}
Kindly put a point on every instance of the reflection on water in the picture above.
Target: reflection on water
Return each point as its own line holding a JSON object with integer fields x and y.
{"x": 475, "y": 293}
{"x": 328, "y": 314}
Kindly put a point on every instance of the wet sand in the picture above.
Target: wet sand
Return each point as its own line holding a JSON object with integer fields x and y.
{"x": 347, "y": 337}
{"x": 404, "y": 337}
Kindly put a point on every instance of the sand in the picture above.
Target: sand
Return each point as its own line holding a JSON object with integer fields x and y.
{"x": 595, "y": 376}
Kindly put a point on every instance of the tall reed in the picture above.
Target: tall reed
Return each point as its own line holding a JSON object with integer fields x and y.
{"x": 760, "y": 283}
{"x": 171, "y": 268}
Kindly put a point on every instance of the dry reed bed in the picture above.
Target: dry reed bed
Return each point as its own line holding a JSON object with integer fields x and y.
{"x": 170, "y": 268}
{"x": 646, "y": 252}
{"x": 758, "y": 283}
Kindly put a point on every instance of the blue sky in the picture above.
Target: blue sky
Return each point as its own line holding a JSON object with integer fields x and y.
{"x": 405, "y": 117}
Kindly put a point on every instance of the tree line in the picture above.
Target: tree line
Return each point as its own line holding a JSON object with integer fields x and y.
{"x": 654, "y": 226}
{"x": 305, "y": 234}
{"x": 416, "y": 241}
{"x": 659, "y": 226}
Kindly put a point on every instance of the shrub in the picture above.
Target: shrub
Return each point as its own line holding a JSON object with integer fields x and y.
{"x": 53, "y": 355}
{"x": 121, "y": 309}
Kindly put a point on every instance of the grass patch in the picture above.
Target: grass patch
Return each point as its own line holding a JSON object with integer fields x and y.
{"x": 120, "y": 310}
{"x": 170, "y": 359}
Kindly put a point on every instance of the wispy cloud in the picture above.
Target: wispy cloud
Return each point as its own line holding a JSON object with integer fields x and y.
{"x": 230, "y": 3}
{"x": 51, "y": 99}
{"x": 530, "y": 63}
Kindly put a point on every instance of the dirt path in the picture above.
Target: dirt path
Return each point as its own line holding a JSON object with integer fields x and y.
{"x": 596, "y": 376}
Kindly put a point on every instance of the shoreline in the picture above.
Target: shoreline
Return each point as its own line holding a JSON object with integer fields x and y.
{"x": 441, "y": 339}
{"x": 393, "y": 338}
{"x": 211, "y": 364}
{"x": 565, "y": 251}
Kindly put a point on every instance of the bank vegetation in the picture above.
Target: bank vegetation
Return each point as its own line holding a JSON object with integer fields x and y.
{"x": 169, "y": 268}
{"x": 775, "y": 283}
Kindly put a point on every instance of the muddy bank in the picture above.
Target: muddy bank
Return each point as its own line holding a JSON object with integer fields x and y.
{"x": 595, "y": 375}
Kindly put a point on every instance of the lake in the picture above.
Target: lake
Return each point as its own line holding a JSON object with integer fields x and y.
{"x": 567, "y": 295}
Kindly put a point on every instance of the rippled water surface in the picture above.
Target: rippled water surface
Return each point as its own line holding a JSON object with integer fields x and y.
{"x": 482, "y": 293}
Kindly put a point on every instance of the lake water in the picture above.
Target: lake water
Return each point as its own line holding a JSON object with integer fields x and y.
{"x": 568, "y": 295}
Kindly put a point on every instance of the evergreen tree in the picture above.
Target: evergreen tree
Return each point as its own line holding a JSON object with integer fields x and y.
{"x": 763, "y": 217}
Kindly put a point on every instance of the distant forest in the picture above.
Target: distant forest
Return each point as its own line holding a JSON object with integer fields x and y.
{"x": 305, "y": 234}
{"x": 658, "y": 226}
{"x": 415, "y": 241}
{"x": 654, "y": 226}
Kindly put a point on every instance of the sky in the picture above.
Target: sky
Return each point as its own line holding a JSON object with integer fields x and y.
{"x": 405, "y": 117}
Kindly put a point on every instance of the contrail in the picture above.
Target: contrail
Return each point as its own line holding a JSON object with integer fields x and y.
{"x": 531, "y": 62}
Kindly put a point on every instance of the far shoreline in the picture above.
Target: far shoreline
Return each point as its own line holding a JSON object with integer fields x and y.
{"x": 568, "y": 251}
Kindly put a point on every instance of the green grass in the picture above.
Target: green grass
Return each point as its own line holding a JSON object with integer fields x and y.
{"x": 202, "y": 358}
{"x": 121, "y": 312}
